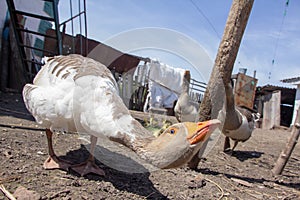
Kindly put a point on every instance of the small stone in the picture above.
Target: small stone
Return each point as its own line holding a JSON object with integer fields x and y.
{"x": 41, "y": 153}
{"x": 197, "y": 182}
{"x": 76, "y": 183}
{"x": 22, "y": 193}
{"x": 268, "y": 184}
{"x": 242, "y": 182}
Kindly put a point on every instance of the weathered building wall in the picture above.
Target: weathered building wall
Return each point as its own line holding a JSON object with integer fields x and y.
{"x": 271, "y": 110}
{"x": 297, "y": 103}
{"x": 286, "y": 102}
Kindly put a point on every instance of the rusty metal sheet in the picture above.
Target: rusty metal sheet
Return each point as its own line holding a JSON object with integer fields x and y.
{"x": 110, "y": 57}
{"x": 245, "y": 90}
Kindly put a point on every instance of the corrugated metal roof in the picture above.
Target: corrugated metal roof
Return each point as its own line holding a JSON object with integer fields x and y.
{"x": 291, "y": 80}
{"x": 270, "y": 88}
{"x": 287, "y": 94}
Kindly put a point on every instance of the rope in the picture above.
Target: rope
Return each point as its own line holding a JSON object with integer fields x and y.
{"x": 277, "y": 39}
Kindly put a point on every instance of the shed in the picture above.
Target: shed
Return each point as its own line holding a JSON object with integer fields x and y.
{"x": 294, "y": 81}
{"x": 275, "y": 104}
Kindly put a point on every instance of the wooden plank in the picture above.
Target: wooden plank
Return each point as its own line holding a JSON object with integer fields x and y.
{"x": 124, "y": 89}
{"x": 7, "y": 193}
{"x": 129, "y": 85}
{"x": 224, "y": 62}
{"x": 287, "y": 152}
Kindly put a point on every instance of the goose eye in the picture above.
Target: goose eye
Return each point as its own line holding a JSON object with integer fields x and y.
{"x": 172, "y": 131}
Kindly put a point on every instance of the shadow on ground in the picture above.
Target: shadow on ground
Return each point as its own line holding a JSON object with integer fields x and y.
{"x": 137, "y": 181}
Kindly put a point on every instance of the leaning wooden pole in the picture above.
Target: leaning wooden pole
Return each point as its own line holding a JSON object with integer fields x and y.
{"x": 287, "y": 152}
{"x": 213, "y": 98}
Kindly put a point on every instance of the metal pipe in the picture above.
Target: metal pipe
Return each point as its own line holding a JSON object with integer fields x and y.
{"x": 33, "y": 15}
{"x": 61, "y": 24}
{"x": 80, "y": 28}
{"x": 38, "y": 49}
{"x": 85, "y": 28}
{"x": 36, "y": 33}
{"x": 56, "y": 19}
{"x": 72, "y": 27}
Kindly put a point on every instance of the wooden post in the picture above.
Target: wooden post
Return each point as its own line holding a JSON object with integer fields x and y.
{"x": 214, "y": 95}
{"x": 287, "y": 152}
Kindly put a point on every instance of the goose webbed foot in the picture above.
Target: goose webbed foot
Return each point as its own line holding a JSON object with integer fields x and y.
{"x": 54, "y": 162}
{"x": 227, "y": 148}
{"x": 234, "y": 145}
{"x": 88, "y": 167}
{"x": 228, "y": 152}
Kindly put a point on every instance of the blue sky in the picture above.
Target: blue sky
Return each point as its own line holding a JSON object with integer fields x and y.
{"x": 177, "y": 33}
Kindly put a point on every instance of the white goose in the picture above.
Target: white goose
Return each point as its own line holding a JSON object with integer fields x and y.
{"x": 185, "y": 109}
{"x": 75, "y": 93}
{"x": 238, "y": 122}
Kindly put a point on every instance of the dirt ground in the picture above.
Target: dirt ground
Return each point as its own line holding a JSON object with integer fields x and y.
{"x": 244, "y": 175}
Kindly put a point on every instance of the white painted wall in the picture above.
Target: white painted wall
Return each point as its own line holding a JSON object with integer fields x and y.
{"x": 297, "y": 104}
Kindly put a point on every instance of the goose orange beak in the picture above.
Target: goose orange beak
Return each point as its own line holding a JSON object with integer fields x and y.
{"x": 197, "y": 132}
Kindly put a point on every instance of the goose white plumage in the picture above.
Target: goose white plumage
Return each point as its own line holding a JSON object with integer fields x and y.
{"x": 238, "y": 122}
{"x": 75, "y": 93}
{"x": 185, "y": 109}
